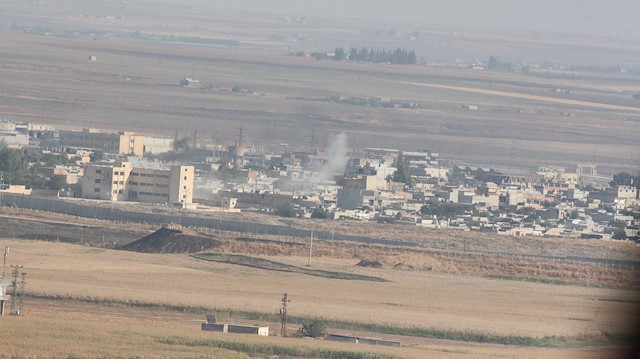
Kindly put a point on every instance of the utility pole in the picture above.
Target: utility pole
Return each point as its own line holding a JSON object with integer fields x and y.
{"x": 283, "y": 315}
{"x": 312, "y": 142}
{"x": 16, "y": 273}
{"x": 24, "y": 282}
{"x": 310, "y": 248}
{"x": 4, "y": 265}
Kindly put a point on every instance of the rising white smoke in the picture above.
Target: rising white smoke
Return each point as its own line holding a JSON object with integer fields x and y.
{"x": 336, "y": 162}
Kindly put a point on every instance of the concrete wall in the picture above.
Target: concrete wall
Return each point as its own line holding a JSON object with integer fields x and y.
{"x": 248, "y": 329}
{"x": 213, "y": 327}
{"x": 341, "y": 338}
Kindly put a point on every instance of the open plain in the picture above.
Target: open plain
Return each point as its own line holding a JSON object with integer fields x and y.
{"x": 522, "y": 120}
{"x": 117, "y": 66}
{"x": 108, "y": 301}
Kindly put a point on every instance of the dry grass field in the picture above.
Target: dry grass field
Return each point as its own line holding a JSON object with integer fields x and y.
{"x": 107, "y": 334}
{"x": 410, "y": 299}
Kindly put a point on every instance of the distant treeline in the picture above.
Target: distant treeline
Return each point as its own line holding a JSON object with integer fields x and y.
{"x": 397, "y": 56}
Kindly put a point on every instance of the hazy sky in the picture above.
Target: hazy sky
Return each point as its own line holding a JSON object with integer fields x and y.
{"x": 619, "y": 18}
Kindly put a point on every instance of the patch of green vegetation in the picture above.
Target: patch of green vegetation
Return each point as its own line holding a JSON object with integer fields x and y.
{"x": 273, "y": 349}
{"x": 262, "y": 263}
{"x": 605, "y": 338}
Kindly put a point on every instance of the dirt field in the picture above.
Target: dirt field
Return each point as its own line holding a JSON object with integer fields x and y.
{"x": 421, "y": 299}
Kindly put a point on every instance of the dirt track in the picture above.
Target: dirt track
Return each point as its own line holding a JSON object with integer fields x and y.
{"x": 527, "y": 97}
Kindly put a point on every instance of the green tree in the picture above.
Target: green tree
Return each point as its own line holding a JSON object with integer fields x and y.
{"x": 97, "y": 156}
{"x": 619, "y": 234}
{"x": 57, "y": 182}
{"x": 403, "y": 175}
{"x": 527, "y": 211}
{"x": 625, "y": 179}
{"x": 314, "y": 328}
{"x": 286, "y": 210}
{"x": 442, "y": 209}
{"x": 319, "y": 213}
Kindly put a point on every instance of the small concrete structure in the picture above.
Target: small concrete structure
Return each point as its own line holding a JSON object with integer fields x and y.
{"x": 341, "y": 338}
{"x": 4, "y": 283}
{"x": 212, "y": 326}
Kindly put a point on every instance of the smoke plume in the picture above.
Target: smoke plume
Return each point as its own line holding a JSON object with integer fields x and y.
{"x": 336, "y": 162}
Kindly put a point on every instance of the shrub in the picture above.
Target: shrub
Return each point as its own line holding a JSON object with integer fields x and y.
{"x": 314, "y": 328}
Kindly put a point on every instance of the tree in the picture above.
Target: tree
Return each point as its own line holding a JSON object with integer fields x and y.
{"x": 527, "y": 211}
{"x": 443, "y": 209}
{"x": 402, "y": 175}
{"x": 314, "y": 328}
{"x": 97, "y": 156}
{"x": 619, "y": 234}
{"x": 625, "y": 179}
{"x": 57, "y": 182}
{"x": 286, "y": 210}
{"x": 319, "y": 213}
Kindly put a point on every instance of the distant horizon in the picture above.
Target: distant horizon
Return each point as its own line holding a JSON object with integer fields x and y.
{"x": 570, "y": 17}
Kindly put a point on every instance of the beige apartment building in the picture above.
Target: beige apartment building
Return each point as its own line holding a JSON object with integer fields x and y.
{"x": 148, "y": 182}
{"x": 121, "y": 143}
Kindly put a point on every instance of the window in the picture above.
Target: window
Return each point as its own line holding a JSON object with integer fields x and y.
{"x": 98, "y": 172}
{"x": 96, "y": 190}
{"x": 185, "y": 178}
{"x": 115, "y": 191}
{"x": 97, "y": 180}
{"x": 121, "y": 182}
{"x": 184, "y": 196}
{"x": 185, "y": 187}
{"x": 119, "y": 191}
{"x": 185, "y": 170}
{"x": 115, "y": 182}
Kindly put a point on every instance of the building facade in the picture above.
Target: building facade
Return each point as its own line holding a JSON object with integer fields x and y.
{"x": 122, "y": 143}
{"x": 122, "y": 181}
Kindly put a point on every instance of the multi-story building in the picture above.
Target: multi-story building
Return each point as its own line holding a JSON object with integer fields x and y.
{"x": 139, "y": 182}
{"x": 122, "y": 143}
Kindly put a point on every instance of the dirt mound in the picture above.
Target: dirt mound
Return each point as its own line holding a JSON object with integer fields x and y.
{"x": 369, "y": 263}
{"x": 167, "y": 240}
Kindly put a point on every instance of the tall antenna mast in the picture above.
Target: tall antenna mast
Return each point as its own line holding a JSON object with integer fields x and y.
{"x": 4, "y": 265}
{"x": 240, "y": 137}
{"x": 24, "y": 282}
{"x": 16, "y": 273}
{"x": 312, "y": 142}
{"x": 310, "y": 248}
{"x": 283, "y": 315}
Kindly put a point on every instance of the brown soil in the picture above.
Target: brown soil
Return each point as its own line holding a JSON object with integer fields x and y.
{"x": 166, "y": 240}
